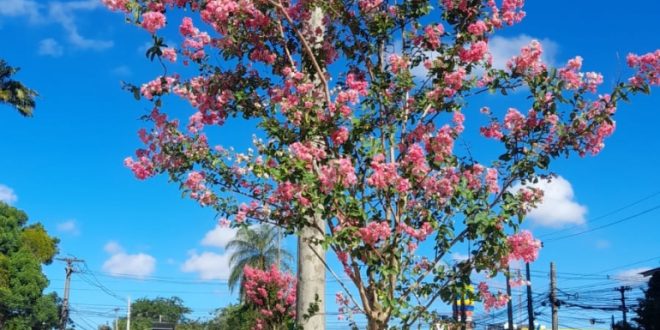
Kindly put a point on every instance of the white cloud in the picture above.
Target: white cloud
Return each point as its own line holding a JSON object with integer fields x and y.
{"x": 15, "y": 8}
{"x": 50, "y": 47}
{"x": 631, "y": 276}
{"x": 121, "y": 263}
{"x": 558, "y": 207}
{"x": 63, "y": 14}
{"x": 209, "y": 265}
{"x": 502, "y": 49}
{"x": 7, "y": 195}
{"x": 457, "y": 256}
{"x": 219, "y": 236}
{"x": 69, "y": 227}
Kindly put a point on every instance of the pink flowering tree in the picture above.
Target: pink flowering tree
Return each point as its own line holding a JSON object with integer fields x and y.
{"x": 348, "y": 131}
{"x": 273, "y": 295}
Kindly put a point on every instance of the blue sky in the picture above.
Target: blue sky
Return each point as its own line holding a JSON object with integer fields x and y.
{"x": 64, "y": 166}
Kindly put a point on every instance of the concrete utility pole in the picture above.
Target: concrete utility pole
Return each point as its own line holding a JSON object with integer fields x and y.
{"x": 116, "y": 319}
{"x": 622, "y": 290}
{"x": 530, "y": 301}
{"x": 64, "y": 317}
{"x": 509, "y": 304}
{"x": 128, "y": 315}
{"x": 553, "y": 296}
{"x": 311, "y": 257}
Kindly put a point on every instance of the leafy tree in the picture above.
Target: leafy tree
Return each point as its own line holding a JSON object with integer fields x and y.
{"x": 23, "y": 249}
{"x": 236, "y": 317}
{"x": 648, "y": 310}
{"x": 13, "y": 92}
{"x": 255, "y": 247}
{"x": 145, "y": 311}
{"x": 361, "y": 145}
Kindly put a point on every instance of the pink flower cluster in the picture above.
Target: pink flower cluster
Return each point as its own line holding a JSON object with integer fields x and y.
{"x": 398, "y": 63}
{"x": 339, "y": 136}
{"x": 194, "y": 42}
{"x": 478, "y": 28}
{"x": 198, "y": 191}
{"x": 431, "y": 37}
{"x": 337, "y": 172}
{"x": 307, "y": 152}
{"x": 490, "y": 300}
{"x": 385, "y": 175}
{"x": 119, "y": 5}
{"x": 441, "y": 145}
{"x": 272, "y": 292}
{"x": 159, "y": 86}
{"x": 510, "y": 13}
{"x": 475, "y": 53}
{"x": 374, "y": 232}
{"x": 529, "y": 60}
{"x": 648, "y": 68}
{"x": 142, "y": 168}
{"x": 369, "y": 5}
{"x": 419, "y": 234}
{"x": 523, "y": 246}
{"x": 153, "y": 20}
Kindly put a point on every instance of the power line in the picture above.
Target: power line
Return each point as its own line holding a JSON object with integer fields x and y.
{"x": 596, "y": 219}
{"x": 606, "y": 225}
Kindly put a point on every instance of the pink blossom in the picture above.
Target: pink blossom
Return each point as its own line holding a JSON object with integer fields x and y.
{"x": 339, "y": 136}
{"x": 153, "y": 20}
{"x": 648, "y": 68}
{"x": 369, "y": 5}
{"x": 523, "y": 246}
{"x": 119, "y": 5}
{"x": 475, "y": 53}
{"x": 491, "y": 181}
{"x": 514, "y": 120}
{"x": 143, "y": 168}
{"x": 490, "y": 300}
{"x": 374, "y": 232}
{"x": 529, "y": 60}
{"x": 169, "y": 54}
{"x": 478, "y": 28}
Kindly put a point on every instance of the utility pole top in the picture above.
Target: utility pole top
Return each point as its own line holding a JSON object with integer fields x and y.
{"x": 64, "y": 317}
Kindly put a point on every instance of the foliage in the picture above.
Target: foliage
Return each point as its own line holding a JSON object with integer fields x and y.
{"x": 23, "y": 249}
{"x": 145, "y": 311}
{"x": 236, "y": 317}
{"x": 365, "y": 135}
{"x": 648, "y": 310}
{"x": 13, "y": 92}
{"x": 255, "y": 247}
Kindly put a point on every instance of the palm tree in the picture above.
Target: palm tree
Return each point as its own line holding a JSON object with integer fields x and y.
{"x": 256, "y": 247}
{"x": 13, "y": 92}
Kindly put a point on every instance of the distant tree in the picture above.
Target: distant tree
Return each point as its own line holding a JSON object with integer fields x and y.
{"x": 104, "y": 327}
{"x": 235, "y": 317}
{"x": 145, "y": 311}
{"x": 255, "y": 247}
{"x": 13, "y": 92}
{"x": 624, "y": 326}
{"x": 648, "y": 311}
{"x": 23, "y": 249}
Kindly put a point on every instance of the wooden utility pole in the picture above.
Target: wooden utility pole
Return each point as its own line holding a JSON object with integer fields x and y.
{"x": 622, "y": 290}
{"x": 64, "y": 316}
{"x": 311, "y": 256}
{"x": 530, "y": 301}
{"x": 509, "y": 304}
{"x": 553, "y": 296}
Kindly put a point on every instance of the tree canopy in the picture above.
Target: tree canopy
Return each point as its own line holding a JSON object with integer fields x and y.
{"x": 23, "y": 250}
{"x": 648, "y": 310}
{"x": 364, "y": 113}
{"x": 13, "y": 92}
